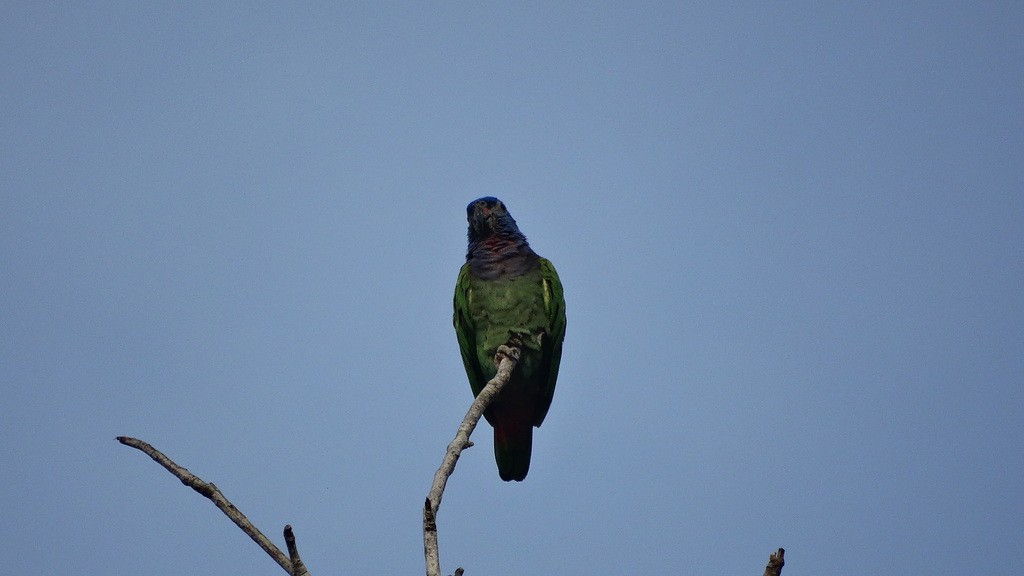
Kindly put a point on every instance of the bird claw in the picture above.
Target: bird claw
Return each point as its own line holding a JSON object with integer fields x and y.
{"x": 510, "y": 349}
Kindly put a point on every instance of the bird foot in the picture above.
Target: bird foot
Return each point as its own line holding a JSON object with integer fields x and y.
{"x": 510, "y": 349}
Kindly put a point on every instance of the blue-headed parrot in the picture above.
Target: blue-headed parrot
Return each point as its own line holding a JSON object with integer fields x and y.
{"x": 506, "y": 289}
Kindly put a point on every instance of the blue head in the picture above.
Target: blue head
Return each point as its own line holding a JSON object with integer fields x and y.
{"x": 488, "y": 217}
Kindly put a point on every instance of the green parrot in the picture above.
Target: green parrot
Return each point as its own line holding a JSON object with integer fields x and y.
{"x": 505, "y": 289}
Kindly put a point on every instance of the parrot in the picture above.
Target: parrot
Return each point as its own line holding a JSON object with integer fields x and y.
{"x": 506, "y": 290}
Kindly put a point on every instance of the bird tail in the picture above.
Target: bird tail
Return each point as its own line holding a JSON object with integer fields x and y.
{"x": 513, "y": 443}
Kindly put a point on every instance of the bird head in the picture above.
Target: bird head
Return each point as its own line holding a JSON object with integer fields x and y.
{"x": 487, "y": 216}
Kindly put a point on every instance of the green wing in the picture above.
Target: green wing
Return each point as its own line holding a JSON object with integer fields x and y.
{"x": 466, "y": 333}
{"x": 554, "y": 311}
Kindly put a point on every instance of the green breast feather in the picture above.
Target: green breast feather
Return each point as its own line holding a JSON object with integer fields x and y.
{"x": 487, "y": 311}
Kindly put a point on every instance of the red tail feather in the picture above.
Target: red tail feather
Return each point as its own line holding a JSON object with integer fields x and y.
{"x": 513, "y": 444}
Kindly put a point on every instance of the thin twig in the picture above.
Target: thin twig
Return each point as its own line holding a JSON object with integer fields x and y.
{"x": 506, "y": 359}
{"x": 214, "y": 494}
{"x": 775, "y": 563}
{"x": 430, "y": 553}
{"x": 298, "y": 568}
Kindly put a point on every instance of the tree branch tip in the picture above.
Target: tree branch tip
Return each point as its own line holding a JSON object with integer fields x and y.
{"x": 129, "y": 441}
{"x": 775, "y": 563}
{"x": 289, "y": 540}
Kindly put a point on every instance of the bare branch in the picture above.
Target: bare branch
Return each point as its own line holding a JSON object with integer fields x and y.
{"x": 214, "y": 494}
{"x": 775, "y": 563}
{"x": 298, "y": 568}
{"x": 430, "y": 553}
{"x": 505, "y": 359}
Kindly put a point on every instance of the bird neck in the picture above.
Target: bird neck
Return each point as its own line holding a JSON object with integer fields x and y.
{"x": 497, "y": 256}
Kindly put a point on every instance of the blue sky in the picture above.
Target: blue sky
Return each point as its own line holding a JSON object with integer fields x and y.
{"x": 790, "y": 236}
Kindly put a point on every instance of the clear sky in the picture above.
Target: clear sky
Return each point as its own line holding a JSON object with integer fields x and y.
{"x": 790, "y": 236}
